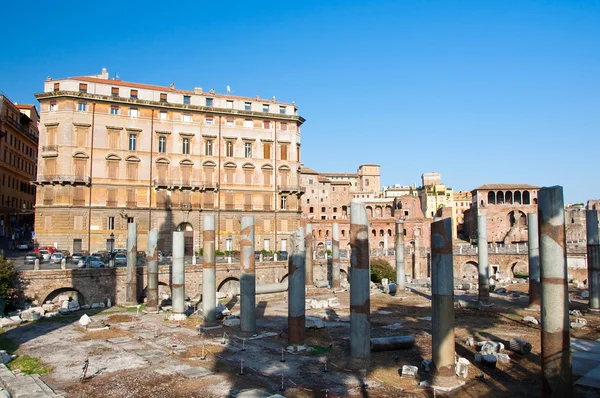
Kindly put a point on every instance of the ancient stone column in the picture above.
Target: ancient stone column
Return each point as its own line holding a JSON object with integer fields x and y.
{"x": 63, "y": 264}
{"x": 442, "y": 289}
{"x": 209, "y": 273}
{"x": 296, "y": 289}
{"x": 416, "y": 265}
{"x": 36, "y": 264}
{"x": 308, "y": 241}
{"x": 400, "y": 267}
{"x": 178, "y": 276}
{"x": 335, "y": 256}
{"x": 360, "y": 278}
{"x": 247, "y": 276}
{"x": 557, "y": 378}
{"x": 482, "y": 256}
{"x": 131, "y": 280}
{"x": 152, "y": 292}
{"x": 593, "y": 252}
{"x": 534, "y": 259}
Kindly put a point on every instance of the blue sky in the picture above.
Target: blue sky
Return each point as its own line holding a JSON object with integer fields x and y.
{"x": 480, "y": 91}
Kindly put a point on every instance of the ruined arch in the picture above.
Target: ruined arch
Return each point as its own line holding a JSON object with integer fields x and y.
{"x": 491, "y": 198}
{"x": 230, "y": 286}
{"x": 66, "y": 292}
{"x": 517, "y": 198}
{"x": 526, "y": 198}
{"x": 469, "y": 270}
{"x": 518, "y": 269}
{"x": 369, "y": 212}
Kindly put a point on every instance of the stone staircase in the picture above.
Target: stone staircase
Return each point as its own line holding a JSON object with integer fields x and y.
{"x": 25, "y": 386}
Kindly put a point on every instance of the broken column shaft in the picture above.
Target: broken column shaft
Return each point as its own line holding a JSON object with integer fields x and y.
{"x": 593, "y": 253}
{"x": 482, "y": 256}
{"x": 335, "y": 256}
{"x": 209, "y": 275}
{"x": 152, "y": 292}
{"x": 247, "y": 276}
{"x": 400, "y": 268}
{"x": 534, "y": 259}
{"x": 178, "y": 277}
{"x": 131, "y": 278}
{"x": 308, "y": 241}
{"x": 360, "y": 301}
{"x": 442, "y": 289}
{"x": 296, "y": 292}
{"x": 556, "y": 354}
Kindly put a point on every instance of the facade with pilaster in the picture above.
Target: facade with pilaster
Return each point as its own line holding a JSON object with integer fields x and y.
{"x": 116, "y": 152}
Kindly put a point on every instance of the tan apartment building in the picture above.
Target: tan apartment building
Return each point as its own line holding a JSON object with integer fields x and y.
{"x": 462, "y": 201}
{"x": 116, "y": 152}
{"x": 18, "y": 159}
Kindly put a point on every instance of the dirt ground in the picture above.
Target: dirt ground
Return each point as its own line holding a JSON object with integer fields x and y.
{"x": 148, "y": 356}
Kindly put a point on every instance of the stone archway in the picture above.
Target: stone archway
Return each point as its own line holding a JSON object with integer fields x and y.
{"x": 58, "y": 296}
{"x": 230, "y": 286}
{"x": 188, "y": 237}
{"x": 469, "y": 270}
{"x": 519, "y": 269}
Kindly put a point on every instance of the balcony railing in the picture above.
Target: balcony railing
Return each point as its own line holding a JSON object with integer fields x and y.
{"x": 290, "y": 189}
{"x": 78, "y": 202}
{"x": 186, "y": 206}
{"x": 50, "y": 148}
{"x": 112, "y": 203}
{"x": 178, "y": 184}
{"x": 130, "y": 204}
{"x": 247, "y": 207}
{"x": 64, "y": 179}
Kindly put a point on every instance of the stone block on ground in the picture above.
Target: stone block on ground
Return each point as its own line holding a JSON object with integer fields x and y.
{"x": 409, "y": 371}
{"x": 502, "y": 358}
{"x": 462, "y": 367}
{"x": 314, "y": 323}
{"x": 489, "y": 347}
{"x": 530, "y": 319}
{"x": 85, "y": 320}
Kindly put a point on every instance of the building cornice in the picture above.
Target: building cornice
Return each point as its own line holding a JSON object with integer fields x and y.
{"x": 167, "y": 105}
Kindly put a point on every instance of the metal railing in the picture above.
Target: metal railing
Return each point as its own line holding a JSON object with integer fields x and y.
{"x": 65, "y": 178}
{"x": 290, "y": 188}
{"x": 164, "y": 183}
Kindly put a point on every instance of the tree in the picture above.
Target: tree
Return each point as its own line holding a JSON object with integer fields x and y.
{"x": 9, "y": 280}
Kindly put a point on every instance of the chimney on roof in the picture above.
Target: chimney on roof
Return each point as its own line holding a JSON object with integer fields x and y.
{"x": 197, "y": 90}
{"x": 104, "y": 74}
{"x": 172, "y": 86}
{"x": 212, "y": 91}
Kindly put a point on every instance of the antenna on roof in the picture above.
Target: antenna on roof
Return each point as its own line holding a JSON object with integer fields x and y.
{"x": 228, "y": 89}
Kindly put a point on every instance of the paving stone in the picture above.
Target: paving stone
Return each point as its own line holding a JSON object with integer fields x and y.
{"x": 591, "y": 378}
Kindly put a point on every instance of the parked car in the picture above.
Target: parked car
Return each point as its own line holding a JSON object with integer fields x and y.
{"x": 56, "y": 258}
{"x": 282, "y": 255}
{"x": 78, "y": 256}
{"x": 25, "y": 245}
{"x": 32, "y": 256}
{"x": 120, "y": 259}
{"x": 50, "y": 249}
{"x": 45, "y": 255}
{"x": 90, "y": 262}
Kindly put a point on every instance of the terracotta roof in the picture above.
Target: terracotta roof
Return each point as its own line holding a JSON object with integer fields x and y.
{"x": 123, "y": 83}
{"x": 323, "y": 179}
{"x": 307, "y": 170}
{"x": 505, "y": 186}
{"x": 338, "y": 182}
{"x": 25, "y": 106}
{"x": 340, "y": 174}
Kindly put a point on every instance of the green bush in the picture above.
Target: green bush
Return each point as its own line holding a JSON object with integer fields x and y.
{"x": 380, "y": 268}
{"x": 219, "y": 253}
